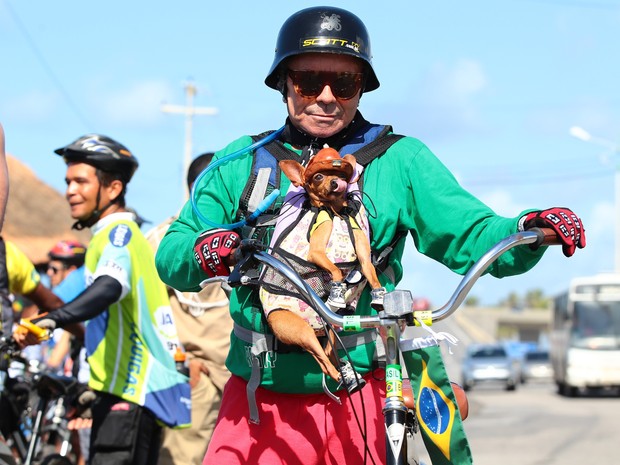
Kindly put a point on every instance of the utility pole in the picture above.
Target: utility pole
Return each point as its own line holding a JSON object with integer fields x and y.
{"x": 189, "y": 110}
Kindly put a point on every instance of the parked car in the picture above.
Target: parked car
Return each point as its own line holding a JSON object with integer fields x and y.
{"x": 516, "y": 351}
{"x": 489, "y": 363}
{"x": 536, "y": 366}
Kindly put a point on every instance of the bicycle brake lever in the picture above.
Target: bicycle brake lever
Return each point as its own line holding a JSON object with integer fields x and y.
{"x": 245, "y": 272}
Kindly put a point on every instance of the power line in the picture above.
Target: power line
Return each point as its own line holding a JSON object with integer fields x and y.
{"x": 43, "y": 62}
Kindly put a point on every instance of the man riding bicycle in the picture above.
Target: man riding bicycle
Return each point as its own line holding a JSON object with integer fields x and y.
{"x": 274, "y": 408}
{"x": 130, "y": 334}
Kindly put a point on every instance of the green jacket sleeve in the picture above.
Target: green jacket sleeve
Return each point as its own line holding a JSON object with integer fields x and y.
{"x": 447, "y": 223}
{"x": 409, "y": 186}
{"x": 216, "y": 197}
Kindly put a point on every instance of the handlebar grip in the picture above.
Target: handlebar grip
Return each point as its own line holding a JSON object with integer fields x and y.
{"x": 26, "y": 326}
{"x": 546, "y": 236}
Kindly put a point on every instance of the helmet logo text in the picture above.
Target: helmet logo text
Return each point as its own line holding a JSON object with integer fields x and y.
{"x": 331, "y": 23}
{"x": 330, "y": 42}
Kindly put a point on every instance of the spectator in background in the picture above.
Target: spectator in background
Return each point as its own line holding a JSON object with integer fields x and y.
{"x": 18, "y": 276}
{"x": 66, "y": 273}
{"x": 4, "y": 179}
{"x": 203, "y": 325}
{"x": 5, "y": 453}
{"x": 66, "y": 257}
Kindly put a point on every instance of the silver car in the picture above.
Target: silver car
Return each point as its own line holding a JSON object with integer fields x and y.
{"x": 489, "y": 363}
{"x": 536, "y": 366}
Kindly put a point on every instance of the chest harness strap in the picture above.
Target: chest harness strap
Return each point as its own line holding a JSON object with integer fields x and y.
{"x": 267, "y": 343}
{"x": 371, "y": 142}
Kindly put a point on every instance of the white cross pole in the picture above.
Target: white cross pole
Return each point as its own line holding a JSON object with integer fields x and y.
{"x": 189, "y": 110}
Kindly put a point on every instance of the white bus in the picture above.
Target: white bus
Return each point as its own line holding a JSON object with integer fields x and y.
{"x": 585, "y": 335}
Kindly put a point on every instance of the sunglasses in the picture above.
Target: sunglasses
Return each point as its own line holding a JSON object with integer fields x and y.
{"x": 310, "y": 84}
{"x": 54, "y": 269}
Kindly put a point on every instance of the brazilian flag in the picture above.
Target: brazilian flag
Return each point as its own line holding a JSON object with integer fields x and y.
{"x": 436, "y": 408}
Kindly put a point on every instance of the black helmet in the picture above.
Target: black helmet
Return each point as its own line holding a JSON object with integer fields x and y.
{"x": 323, "y": 29}
{"x": 102, "y": 152}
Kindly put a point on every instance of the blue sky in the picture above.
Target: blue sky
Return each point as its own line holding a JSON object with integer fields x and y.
{"x": 491, "y": 87}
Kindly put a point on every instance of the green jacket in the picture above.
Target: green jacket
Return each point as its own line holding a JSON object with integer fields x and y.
{"x": 406, "y": 189}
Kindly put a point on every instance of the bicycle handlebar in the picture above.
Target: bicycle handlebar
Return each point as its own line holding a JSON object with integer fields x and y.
{"x": 26, "y": 326}
{"x": 535, "y": 237}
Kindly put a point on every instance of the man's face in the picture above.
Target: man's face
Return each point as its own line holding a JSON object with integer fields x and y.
{"x": 82, "y": 189}
{"x": 57, "y": 272}
{"x": 324, "y": 115}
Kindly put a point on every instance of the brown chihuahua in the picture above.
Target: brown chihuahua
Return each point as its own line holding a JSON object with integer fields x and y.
{"x": 325, "y": 180}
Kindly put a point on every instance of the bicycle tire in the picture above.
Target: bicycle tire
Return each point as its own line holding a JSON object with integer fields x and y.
{"x": 56, "y": 459}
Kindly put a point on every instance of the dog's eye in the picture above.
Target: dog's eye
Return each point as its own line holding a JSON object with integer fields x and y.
{"x": 318, "y": 177}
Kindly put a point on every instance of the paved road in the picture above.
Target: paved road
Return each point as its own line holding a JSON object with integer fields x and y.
{"x": 534, "y": 425}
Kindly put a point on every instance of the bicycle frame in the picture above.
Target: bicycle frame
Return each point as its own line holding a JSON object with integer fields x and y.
{"x": 397, "y": 312}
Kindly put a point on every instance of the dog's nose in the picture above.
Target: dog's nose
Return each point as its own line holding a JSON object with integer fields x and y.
{"x": 333, "y": 184}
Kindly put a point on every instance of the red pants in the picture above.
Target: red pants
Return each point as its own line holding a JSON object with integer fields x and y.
{"x": 307, "y": 429}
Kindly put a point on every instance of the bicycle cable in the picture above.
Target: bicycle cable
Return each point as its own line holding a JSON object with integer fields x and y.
{"x": 363, "y": 426}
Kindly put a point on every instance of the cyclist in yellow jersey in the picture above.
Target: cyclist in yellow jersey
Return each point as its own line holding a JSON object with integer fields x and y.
{"x": 20, "y": 277}
{"x": 4, "y": 179}
{"x": 130, "y": 331}
{"x": 23, "y": 277}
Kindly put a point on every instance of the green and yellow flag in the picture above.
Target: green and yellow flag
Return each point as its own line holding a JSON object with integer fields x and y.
{"x": 436, "y": 408}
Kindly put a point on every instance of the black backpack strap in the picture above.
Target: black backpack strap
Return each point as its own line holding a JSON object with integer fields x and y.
{"x": 263, "y": 180}
{"x": 280, "y": 152}
{"x": 377, "y": 147}
{"x": 261, "y": 160}
{"x": 380, "y": 261}
{"x": 374, "y": 149}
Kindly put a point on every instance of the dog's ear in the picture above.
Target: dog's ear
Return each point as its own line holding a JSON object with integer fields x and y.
{"x": 351, "y": 159}
{"x": 294, "y": 171}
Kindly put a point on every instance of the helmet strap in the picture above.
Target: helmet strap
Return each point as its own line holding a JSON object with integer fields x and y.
{"x": 95, "y": 215}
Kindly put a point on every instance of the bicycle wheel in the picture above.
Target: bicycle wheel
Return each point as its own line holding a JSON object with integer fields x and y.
{"x": 56, "y": 459}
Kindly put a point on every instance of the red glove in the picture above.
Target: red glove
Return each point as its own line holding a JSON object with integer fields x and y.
{"x": 212, "y": 248}
{"x": 564, "y": 222}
